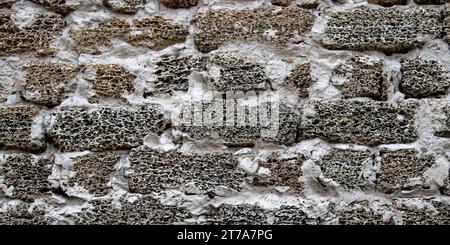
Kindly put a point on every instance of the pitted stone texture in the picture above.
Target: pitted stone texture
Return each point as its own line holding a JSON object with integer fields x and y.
{"x": 153, "y": 32}
{"x": 125, "y": 6}
{"x": 441, "y": 118}
{"x": 361, "y": 77}
{"x": 446, "y": 187}
{"x": 176, "y": 4}
{"x": 389, "y": 30}
{"x": 16, "y": 129}
{"x": 110, "y": 80}
{"x": 143, "y": 211}
{"x": 59, "y": 6}
{"x": 48, "y": 83}
{"x": 291, "y": 215}
{"x": 155, "y": 170}
{"x": 388, "y": 3}
{"x": 283, "y": 3}
{"x": 26, "y": 214}
{"x": 172, "y": 73}
{"x": 37, "y": 37}
{"x": 309, "y": 4}
{"x": 27, "y": 175}
{"x": 279, "y": 27}
{"x": 7, "y": 3}
{"x": 242, "y": 214}
{"x": 237, "y": 72}
{"x": 300, "y": 78}
{"x": 106, "y": 128}
{"x": 346, "y": 167}
{"x": 357, "y": 122}
{"x": 434, "y": 212}
{"x": 423, "y": 78}
{"x": 360, "y": 213}
{"x": 93, "y": 172}
{"x": 398, "y": 167}
{"x": 249, "y": 125}
{"x": 285, "y": 171}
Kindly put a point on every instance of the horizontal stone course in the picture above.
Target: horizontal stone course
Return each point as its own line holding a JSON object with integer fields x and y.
{"x": 368, "y": 123}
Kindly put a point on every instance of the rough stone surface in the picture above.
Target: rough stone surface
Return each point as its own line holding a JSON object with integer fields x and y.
{"x": 369, "y": 123}
{"x": 300, "y": 78}
{"x": 110, "y": 80}
{"x": 435, "y": 212}
{"x": 176, "y": 4}
{"x": 144, "y": 211}
{"x": 360, "y": 77}
{"x": 389, "y": 30}
{"x": 346, "y": 167}
{"x": 93, "y": 172}
{"x": 59, "y": 6}
{"x": 399, "y": 167}
{"x": 107, "y": 128}
{"x": 236, "y": 72}
{"x": 154, "y": 32}
{"x": 285, "y": 170}
{"x": 36, "y": 37}
{"x": 431, "y": 1}
{"x": 281, "y": 2}
{"x": 360, "y": 213}
{"x": 423, "y": 78}
{"x": 154, "y": 171}
{"x": 48, "y": 83}
{"x": 243, "y": 214}
{"x": 26, "y": 175}
{"x": 172, "y": 73}
{"x": 441, "y": 118}
{"x": 16, "y": 129}
{"x": 24, "y": 214}
{"x": 245, "y": 134}
{"x": 215, "y": 27}
{"x": 292, "y": 215}
{"x": 125, "y": 6}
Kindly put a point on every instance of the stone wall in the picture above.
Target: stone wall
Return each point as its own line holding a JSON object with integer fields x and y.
{"x": 88, "y": 90}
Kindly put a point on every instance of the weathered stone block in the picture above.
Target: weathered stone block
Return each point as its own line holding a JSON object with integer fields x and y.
{"x": 36, "y": 37}
{"x": 300, "y": 78}
{"x": 249, "y": 125}
{"x": 110, "y": 80}
{"x": 124, "y": 6}
{"x": 48, "y": 83}
{"x": 172, "y": 73}
{"x": 215, "y": 27}
{"x": 357, "y": 122}
{"x": 291, "y": 215}
{"x": 237, "y": 72}
{"x": 144, "y": 211}
{"x": 399, "y": 167}
{"x": 361, "y": 77}
{"x": 440, "y": 116}
{"x": 17, "y": 131}
{"x": 176, "y": 4}
{"x": 431, "y": 1}
{"x": 434, "y": 212}
{"x": 26, "y": 175}
{"x": 154, "y": 32}
{"x": 107, "y": 128}
{"x": 59, "y": 6}
{"x": 389, "y": 30}
{"x": 243, "y": 214}
{"x": 25, "y": 214}
{"x": 360, "y": 213}
{"x": 423, "y": 78}
{"x": 281, "y": 2}
{"x": 285, "y": 171}
{"x": 154, "y": 171}
{"x": 346, "y": 167}
{"x": 93, "y": 172}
